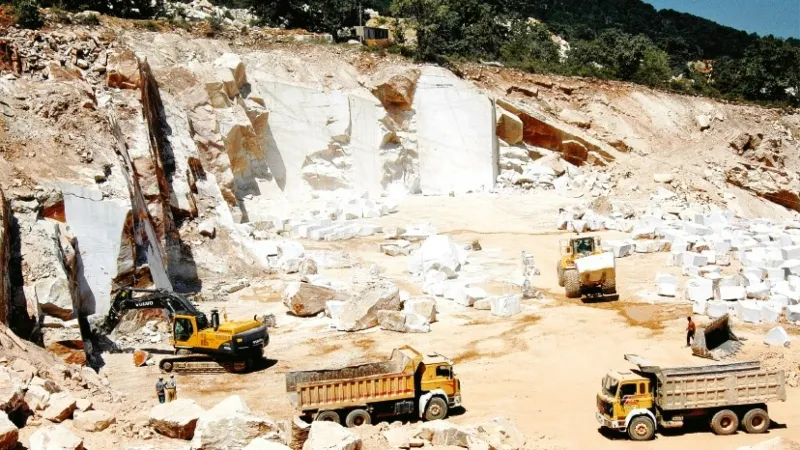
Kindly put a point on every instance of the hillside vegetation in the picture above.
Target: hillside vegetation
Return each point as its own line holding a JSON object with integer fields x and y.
{"x": 625, "y": 40}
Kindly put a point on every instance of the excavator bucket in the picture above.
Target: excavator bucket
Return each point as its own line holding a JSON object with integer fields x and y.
{"x": 717, "y": 340}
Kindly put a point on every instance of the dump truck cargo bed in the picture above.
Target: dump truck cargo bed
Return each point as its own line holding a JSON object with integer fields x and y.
{"x": 390, "y": 380}
{"x": 713, "y": 385}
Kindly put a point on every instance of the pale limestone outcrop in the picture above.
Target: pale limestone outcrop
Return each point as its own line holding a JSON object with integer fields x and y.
{"x": 48, "y": 271}
{"x": 455, "y": 123}
{"x": 106, "y": 252}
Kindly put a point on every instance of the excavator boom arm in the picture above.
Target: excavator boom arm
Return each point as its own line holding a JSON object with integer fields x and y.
{"x": 154, "y": 299}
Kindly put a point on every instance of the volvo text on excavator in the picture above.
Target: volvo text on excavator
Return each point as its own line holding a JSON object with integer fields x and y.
{"x": 201, "y": 346}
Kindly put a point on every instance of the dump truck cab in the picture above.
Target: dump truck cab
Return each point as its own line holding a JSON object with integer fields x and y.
{"x": 623, "y": 395}
{"x": 438, "y": 378}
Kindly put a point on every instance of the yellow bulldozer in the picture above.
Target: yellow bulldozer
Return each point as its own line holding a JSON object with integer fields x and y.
{"x": 585, "y": 271}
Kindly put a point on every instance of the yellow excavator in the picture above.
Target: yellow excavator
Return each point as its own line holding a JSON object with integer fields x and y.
{"x": 201, "y": 346}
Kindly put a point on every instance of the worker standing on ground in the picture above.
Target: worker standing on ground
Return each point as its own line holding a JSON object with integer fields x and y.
{"x": 689, "y": 332}
{"x": 172, "y": 388}
{"x": 160, "y": 389}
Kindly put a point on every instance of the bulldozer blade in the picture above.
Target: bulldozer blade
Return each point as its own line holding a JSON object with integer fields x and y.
{"x": 717, "y": 340}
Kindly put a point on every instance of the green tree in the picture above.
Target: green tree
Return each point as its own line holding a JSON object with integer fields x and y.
{"x": 529, "y": 47}
{"x": 654, "y": 68}
{"x": 27, "y": 14}
{"x": 466, "y": 28}
{"x": 769, "y": 70}
{"x": 617, "y": 55}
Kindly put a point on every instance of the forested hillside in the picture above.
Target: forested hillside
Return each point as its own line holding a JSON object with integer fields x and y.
{"x": 615, "y": 39}
{"x": 625, "y": 40}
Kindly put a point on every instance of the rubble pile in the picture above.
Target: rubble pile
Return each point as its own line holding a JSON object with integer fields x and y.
{"x": 496, "y": 433}
{"x": 35, "y": 390}
{"x": 335, "y": 221}
{"x": 525, "y": 168}
{"x": 201, "y": 10}
{"x": 229, "y": 424}
{"x": 78, "y": 53}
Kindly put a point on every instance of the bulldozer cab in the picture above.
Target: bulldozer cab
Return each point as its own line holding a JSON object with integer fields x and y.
{"x": 580, "y": 246}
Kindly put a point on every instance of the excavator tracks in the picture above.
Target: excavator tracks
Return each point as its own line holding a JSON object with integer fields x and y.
{"x": 200, "y": 364}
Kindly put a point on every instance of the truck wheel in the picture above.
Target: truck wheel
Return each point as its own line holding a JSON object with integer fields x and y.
{"x": 357, "y": 417}
{"x": 724, "y": 422}
{"x": 610, "y": 286}
{"x": 560, "y": 272}
{"x": 641, "y": 428}
{"x": 572, "y": 283}
{"x": 327, "y": 416}
{"x": 756, "y": 421}
{"x": 436, "y": 409}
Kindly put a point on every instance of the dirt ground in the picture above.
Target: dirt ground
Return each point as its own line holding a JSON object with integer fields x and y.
{"x": 541, "y": 368}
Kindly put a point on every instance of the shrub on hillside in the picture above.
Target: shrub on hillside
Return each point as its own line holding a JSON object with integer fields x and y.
{"x": 27, "y": 14}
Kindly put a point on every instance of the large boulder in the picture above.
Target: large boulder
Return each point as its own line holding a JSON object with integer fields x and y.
{"x": 422, "y": 306}
{"x": 395, "y": 87}
{"x": 299, "y": 433}
{"x": 509, "y": 127}
{"x": 438, "y": 252}
{"x": 11, "y": 391}
{"x": 24, "y": 369}
{"x": 36, "y": 398}
{"x": 93, "y": 421}
{"x": 176, "y": 419}
{"x": 9, "y": 434}
{"x": 306, "y": 300}
{"x": 60, "y": 407}
{"x": 49, "y": 278}
{"x": 442, "y": 433}
{"x": 361, "y": 311}
{"x": 308, "y": 268}
{"x": 331, "y": 436}
{"x": 232, "y": 63}
{"x": 501, "y": 434}
{"x": 231, "y": 425}
{"x": 505, "y": 306}
{"x": 403, "y": 322}
{"x": 122, "y": 70}
{"x": 56, "y": 437}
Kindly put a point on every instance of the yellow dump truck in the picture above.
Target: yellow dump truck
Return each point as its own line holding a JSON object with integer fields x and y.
{"x": 727, "y": 395}
{"x": 407, "y": 383}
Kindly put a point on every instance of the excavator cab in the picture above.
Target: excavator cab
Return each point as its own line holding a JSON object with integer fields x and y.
{"x": 184, "y": 327}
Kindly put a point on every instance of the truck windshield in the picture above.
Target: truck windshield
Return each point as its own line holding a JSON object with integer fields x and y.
{"x": 610, "y": 386}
